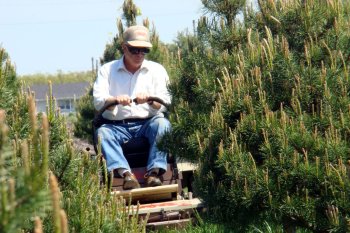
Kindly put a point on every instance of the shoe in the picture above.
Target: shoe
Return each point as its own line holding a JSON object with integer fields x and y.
{"x": 130, "y": 181}
{"x": 153, "y": 180}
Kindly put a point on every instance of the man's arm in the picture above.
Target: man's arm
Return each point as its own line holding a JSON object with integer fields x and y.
{"x": 155, "y": 105}
{"x": 161, "y": 88}
{"x": 101, "y": 89}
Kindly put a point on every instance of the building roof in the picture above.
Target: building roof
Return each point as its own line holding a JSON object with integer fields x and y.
{"x": 61, "y": 91}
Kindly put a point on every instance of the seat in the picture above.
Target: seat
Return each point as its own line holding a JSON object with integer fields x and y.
{"x": 136, "y": 152}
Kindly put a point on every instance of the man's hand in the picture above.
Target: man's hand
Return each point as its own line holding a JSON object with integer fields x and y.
{"x": 142, "y": 98}
{"x": 122, "y": 99}
{"x": 125, "y": 100}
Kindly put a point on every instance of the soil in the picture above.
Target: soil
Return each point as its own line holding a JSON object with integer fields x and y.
{"x": 83, "y": 145}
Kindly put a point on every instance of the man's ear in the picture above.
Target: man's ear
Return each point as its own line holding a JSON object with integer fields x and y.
{"x": 124, "y": 47}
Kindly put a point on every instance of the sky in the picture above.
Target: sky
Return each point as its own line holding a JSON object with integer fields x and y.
{"x": 50, "y": 36}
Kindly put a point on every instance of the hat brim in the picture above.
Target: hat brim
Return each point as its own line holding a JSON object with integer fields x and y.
{"x": 137, "y": 43}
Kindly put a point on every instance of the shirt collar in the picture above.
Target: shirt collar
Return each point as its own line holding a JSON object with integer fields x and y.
{"x": 121, "y": 65}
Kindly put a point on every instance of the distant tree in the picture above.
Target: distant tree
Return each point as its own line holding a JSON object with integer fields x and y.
{"x": 59, "y": 77}
{"x": 9, "y": 84}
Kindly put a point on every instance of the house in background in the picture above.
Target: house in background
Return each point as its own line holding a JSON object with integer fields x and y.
{"x": 66, "y": 95}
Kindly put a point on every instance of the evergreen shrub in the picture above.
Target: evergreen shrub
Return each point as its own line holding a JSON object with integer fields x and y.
{"x": 272, "y": 143}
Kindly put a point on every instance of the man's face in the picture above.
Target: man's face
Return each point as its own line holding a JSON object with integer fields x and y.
{"x": 134, "y": 56}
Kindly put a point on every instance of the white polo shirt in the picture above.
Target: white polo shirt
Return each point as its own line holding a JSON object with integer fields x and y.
{"x": 114, "y": 79}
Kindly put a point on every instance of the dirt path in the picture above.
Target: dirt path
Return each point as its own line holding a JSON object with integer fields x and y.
{"x": 82, "y": 145}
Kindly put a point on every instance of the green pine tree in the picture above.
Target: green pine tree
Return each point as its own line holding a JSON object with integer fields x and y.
{"x": 262, "y": 106}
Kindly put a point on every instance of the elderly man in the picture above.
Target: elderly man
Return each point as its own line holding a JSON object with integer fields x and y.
{"x": 133, "y": 77}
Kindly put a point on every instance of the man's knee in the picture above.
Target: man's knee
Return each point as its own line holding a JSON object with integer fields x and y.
{"x": 162, "y": 124}
{"x": 104, "y": 133}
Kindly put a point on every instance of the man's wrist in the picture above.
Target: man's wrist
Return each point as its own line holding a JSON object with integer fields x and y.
{"x": 154, "y": 104}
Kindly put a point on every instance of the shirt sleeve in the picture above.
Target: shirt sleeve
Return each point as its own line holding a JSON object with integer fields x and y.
{"x": 161, "y": 83}
{"x": 101, "y": 88}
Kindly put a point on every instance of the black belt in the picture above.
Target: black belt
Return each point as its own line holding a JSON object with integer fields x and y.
{"x": 125, "y": 121}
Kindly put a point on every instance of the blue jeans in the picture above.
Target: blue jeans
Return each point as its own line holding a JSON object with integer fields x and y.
{"x": 112, "y": 136}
